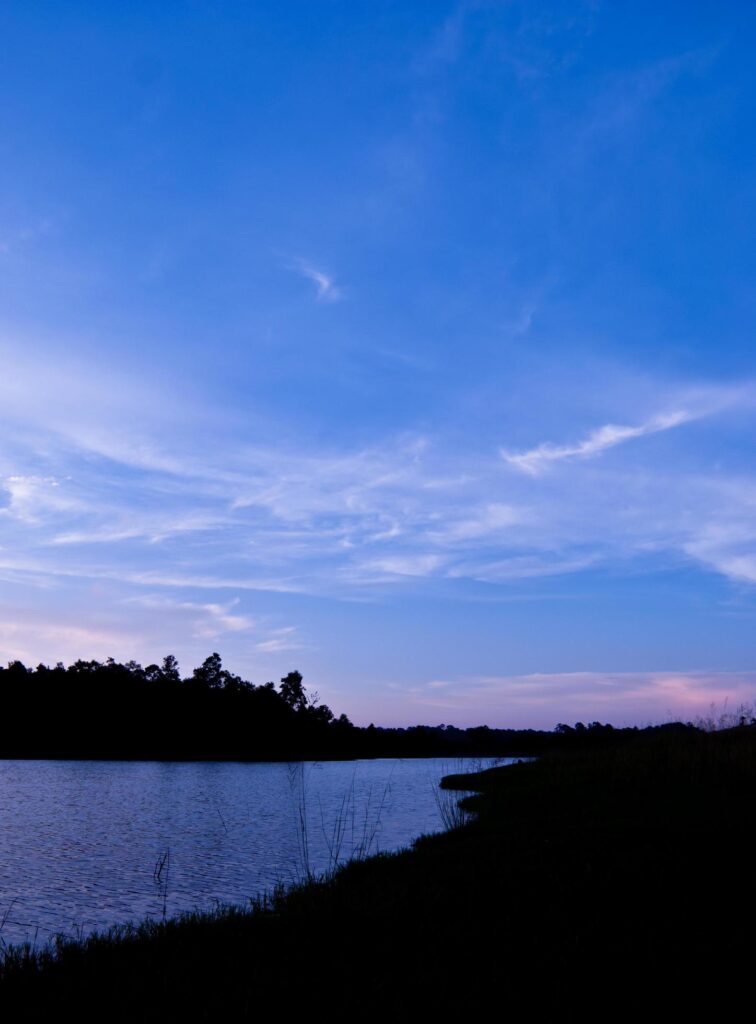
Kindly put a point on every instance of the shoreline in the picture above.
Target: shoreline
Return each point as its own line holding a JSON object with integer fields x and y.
{"x": 591, "y": 870}
{"x": 228, "y": 832}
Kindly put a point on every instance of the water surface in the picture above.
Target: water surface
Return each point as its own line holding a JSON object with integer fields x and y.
{"x": 82, "y": 842}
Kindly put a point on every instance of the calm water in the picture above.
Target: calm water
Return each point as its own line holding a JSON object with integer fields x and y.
{"x": 81, "y": 842}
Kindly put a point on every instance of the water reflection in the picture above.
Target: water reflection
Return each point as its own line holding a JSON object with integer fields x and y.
{"x": 88, "y": 844}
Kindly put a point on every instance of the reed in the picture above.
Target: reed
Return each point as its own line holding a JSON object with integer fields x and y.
{"x": 352, "y": 835}
{"x": 161, "y": 876}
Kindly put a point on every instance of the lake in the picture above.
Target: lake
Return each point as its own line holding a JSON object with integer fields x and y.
{"x": 88, "y": 844}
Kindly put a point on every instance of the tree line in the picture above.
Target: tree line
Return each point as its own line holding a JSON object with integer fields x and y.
{"x": 111, "y": 710}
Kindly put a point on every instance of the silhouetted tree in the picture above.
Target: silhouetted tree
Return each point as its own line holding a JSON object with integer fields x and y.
{"x": 210, "y": 674}
{"x": 293, "y": 692}
{"x": 170, "y": 669}
{"x": 95, "y": 709}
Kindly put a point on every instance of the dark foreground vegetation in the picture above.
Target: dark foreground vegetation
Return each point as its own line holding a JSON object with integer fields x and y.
{"x": 610, "y": 883}
{"x": 124, "y": 711}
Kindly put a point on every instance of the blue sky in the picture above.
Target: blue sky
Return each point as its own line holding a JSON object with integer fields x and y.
{"x": 406, "y": 344}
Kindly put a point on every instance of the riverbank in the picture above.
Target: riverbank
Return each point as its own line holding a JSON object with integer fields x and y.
{"x": 623, "y": 873}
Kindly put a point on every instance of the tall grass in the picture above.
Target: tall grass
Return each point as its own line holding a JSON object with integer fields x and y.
{"x": 161, "y": 875}
{"x": 719, "y": 719}
{"x": 587, "y": 869}
{"x": 298, "y": 789}
{"x": 351, "y": 835}
{"x": 452, "y": 815}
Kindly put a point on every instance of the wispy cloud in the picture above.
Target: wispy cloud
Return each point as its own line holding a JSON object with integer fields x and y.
{"x": 536, "y": 460}
{"x": 521, "y": 323}
{"x": 627, "y": 95}
{"x": 521, "y": 567}
{"x": 283, "y": 639}
{"x": 487, "y": 522}
{"x": 147, "y": 626}
{"x": 622, "y": 698}
{"x": 53, "y": 638}
{"x": 327, "y": 289}
{"x": 208, "y": 619}
{"x": 382, "y": 569}
{"x": 164, "y": 510}
{"x": 31, "y": 499}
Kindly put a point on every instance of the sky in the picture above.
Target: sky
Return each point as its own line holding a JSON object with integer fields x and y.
{"x": 409, "y": 345}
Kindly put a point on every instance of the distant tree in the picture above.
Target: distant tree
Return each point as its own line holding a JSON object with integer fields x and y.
{"x": 210, "y": 674}
{"x": 82, "y": 667}
{"x": 234, "y": 684}
{"x": 153, "y": 674}
{"x": 170, "y": 669}
{"x": 320, "y": 713}
{"x": 293, "y": 692}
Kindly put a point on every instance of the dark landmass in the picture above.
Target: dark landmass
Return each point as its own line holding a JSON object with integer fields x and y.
{"x": 127, "y": 712}
{"x": 608, "y": 882}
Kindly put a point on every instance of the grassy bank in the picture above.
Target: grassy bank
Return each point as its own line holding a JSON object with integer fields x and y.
{"x": 601, "y": 884}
